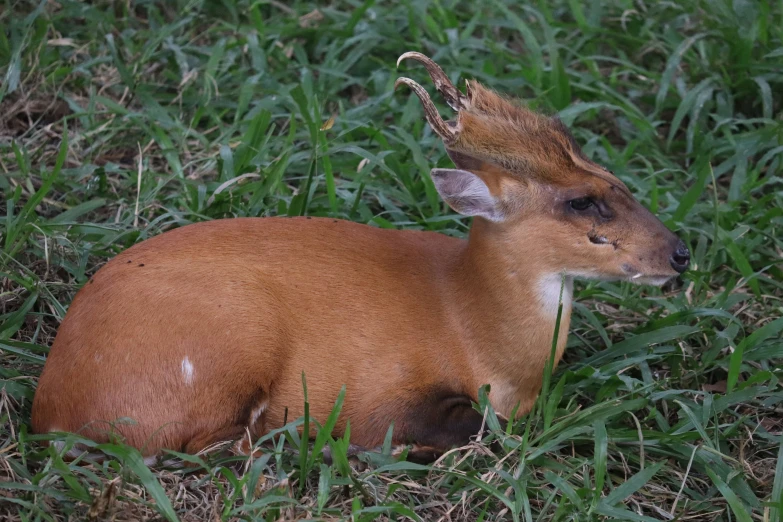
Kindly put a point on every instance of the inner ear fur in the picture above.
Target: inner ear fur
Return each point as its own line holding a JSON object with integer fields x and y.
{"x": 510, "y": 193}
{"x": 467, "y": 193}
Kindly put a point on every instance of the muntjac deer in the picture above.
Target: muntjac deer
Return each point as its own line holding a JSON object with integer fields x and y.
{"x": 201, "y": 334}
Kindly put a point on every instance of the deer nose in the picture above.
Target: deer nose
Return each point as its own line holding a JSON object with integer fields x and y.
{"x": 681, "y": 258}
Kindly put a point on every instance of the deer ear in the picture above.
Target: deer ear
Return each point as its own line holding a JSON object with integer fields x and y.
{"x": 464, "y": 161}
{"x": 466, "y": 193}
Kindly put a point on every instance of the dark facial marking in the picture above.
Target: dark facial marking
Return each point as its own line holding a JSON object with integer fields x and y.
{"x": 603, "y": 210}
{"x": 599, "y": 239}
{"x": 596, "y": 238}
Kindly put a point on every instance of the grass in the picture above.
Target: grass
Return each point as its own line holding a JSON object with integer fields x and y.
{"x": 119, "y": 120}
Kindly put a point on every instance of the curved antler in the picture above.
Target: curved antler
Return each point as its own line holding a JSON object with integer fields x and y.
{"x": 447, "y": 133}
{"x": 454, "y": 98}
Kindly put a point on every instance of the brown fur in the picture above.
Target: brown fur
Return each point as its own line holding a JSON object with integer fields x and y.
{"x": 204, "y": 331}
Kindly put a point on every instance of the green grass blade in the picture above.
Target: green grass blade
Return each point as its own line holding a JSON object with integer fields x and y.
{"x": 632, "y": 485}
{"x": 131, "y": 458}
{"x": 776, "y": 498}
{"x": 770, "y": 329}
{"x": 736, "y": 505}
{"x": 599, "y": 459}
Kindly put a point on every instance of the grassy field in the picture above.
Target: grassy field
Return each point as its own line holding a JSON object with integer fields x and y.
{"x": 119, "y": 120}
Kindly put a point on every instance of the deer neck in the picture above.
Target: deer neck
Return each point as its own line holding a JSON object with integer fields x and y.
{"x": 508, "y": 305}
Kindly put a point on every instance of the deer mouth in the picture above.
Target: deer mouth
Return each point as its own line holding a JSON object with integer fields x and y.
{"x": 653, "y": 280}
{"x": 634, "y": 275}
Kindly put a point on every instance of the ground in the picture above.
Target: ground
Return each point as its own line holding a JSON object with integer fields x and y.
{"x": 119, "y": 120}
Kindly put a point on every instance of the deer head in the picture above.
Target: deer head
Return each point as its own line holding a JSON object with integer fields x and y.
{"x": 523, "y": 176}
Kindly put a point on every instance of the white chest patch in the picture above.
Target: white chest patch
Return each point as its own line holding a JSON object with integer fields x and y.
{"x": 549, "y": 292}
{"x": 187, "y": 371}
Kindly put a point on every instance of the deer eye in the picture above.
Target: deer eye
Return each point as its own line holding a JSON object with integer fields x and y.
{"x": 581, "y": 204}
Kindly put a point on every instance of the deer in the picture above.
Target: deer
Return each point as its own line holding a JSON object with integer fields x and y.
{"x": 201, "y": 334}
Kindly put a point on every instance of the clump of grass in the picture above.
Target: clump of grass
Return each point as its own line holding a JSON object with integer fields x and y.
{"x": 121, "y": 120}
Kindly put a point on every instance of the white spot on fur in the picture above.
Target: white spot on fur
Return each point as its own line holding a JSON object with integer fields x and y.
{"x": 549, "y": 288}
{"x": 257, "y": 412}
{"x": 187, "y": 370}
{"x": 59, "y": 445}
{"x": 151, "y": 460}
{"x": 504, "y": 396}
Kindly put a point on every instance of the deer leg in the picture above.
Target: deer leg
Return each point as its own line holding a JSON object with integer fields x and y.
{"x": 441, "y": 421}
